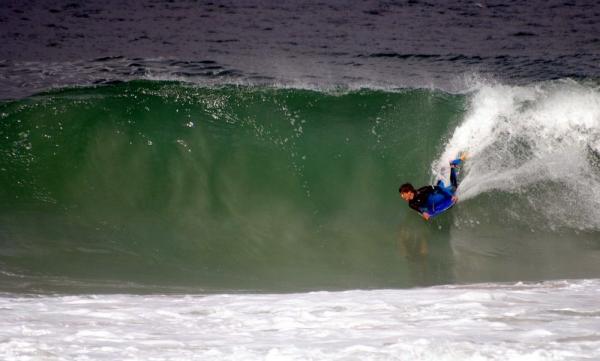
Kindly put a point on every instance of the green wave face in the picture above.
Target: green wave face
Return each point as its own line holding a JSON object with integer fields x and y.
{"x": 162, "y": 184}
{"x": 233, "y": 187}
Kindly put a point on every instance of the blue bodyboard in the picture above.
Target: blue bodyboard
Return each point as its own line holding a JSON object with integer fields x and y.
{"x": 442, "y": 206}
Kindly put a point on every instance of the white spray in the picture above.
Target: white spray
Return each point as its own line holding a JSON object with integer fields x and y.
{"x": 540, "y": 141}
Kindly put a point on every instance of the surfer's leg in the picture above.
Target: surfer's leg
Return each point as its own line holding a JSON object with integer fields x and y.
{"x": 447, "y": 190}
{"x": 453, "y": 165}
{"x": 453, "y": 178}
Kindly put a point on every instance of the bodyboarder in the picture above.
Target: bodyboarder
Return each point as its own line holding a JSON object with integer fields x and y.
{"x": 432, "y": 200}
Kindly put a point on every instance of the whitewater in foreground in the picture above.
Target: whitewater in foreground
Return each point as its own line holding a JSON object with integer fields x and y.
{"x": 554, "y": 320}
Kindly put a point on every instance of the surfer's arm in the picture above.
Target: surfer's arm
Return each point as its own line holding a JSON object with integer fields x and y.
{"x": 419, "y": 203}
{"x": 421, "y": 210}
{"x": 415, "y": 207}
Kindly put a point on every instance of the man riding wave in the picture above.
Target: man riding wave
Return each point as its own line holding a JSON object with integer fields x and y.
{"x": 430, "y": 199}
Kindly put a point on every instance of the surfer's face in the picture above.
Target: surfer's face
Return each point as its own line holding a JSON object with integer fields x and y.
{"x": 407, "y": 196}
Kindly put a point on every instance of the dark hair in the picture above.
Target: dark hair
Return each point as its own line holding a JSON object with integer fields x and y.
{"x": 407, "y": 187}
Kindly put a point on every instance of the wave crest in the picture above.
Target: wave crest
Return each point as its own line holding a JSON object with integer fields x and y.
{"x": 540, "y": 142}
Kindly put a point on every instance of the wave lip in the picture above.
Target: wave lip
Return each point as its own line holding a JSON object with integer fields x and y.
{"x": 22, "y": 78}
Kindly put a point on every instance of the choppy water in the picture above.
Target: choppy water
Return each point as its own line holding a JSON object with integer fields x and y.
{"x": 307, "y": 43}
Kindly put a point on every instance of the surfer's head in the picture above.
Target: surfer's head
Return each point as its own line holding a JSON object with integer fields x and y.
{"x": 407, "y": 191}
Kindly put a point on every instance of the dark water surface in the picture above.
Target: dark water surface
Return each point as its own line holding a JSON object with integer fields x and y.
{"x": 307, "y": 43}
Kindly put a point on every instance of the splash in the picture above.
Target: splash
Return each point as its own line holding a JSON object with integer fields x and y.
{"x": 540, "y": 142}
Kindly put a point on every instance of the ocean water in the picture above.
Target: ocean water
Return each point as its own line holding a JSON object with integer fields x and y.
{"x": 219, "y": 180}
{"x": 318, "y": 44}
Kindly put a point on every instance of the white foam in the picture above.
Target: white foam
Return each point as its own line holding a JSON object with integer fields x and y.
{"x": 472, "y": 322}
{"x": 524, "y": 138}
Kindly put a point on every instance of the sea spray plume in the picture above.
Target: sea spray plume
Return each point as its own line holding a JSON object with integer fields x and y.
{"x": 536, "y": 141}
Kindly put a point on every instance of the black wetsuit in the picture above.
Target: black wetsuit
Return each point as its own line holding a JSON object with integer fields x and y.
{"x": 421, "y": 198}
{"x": 427, "y": 197}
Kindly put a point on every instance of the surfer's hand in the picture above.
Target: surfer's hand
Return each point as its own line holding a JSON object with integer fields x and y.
{"x": 454, "y": 199}
{"x": 425, "y": 215}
